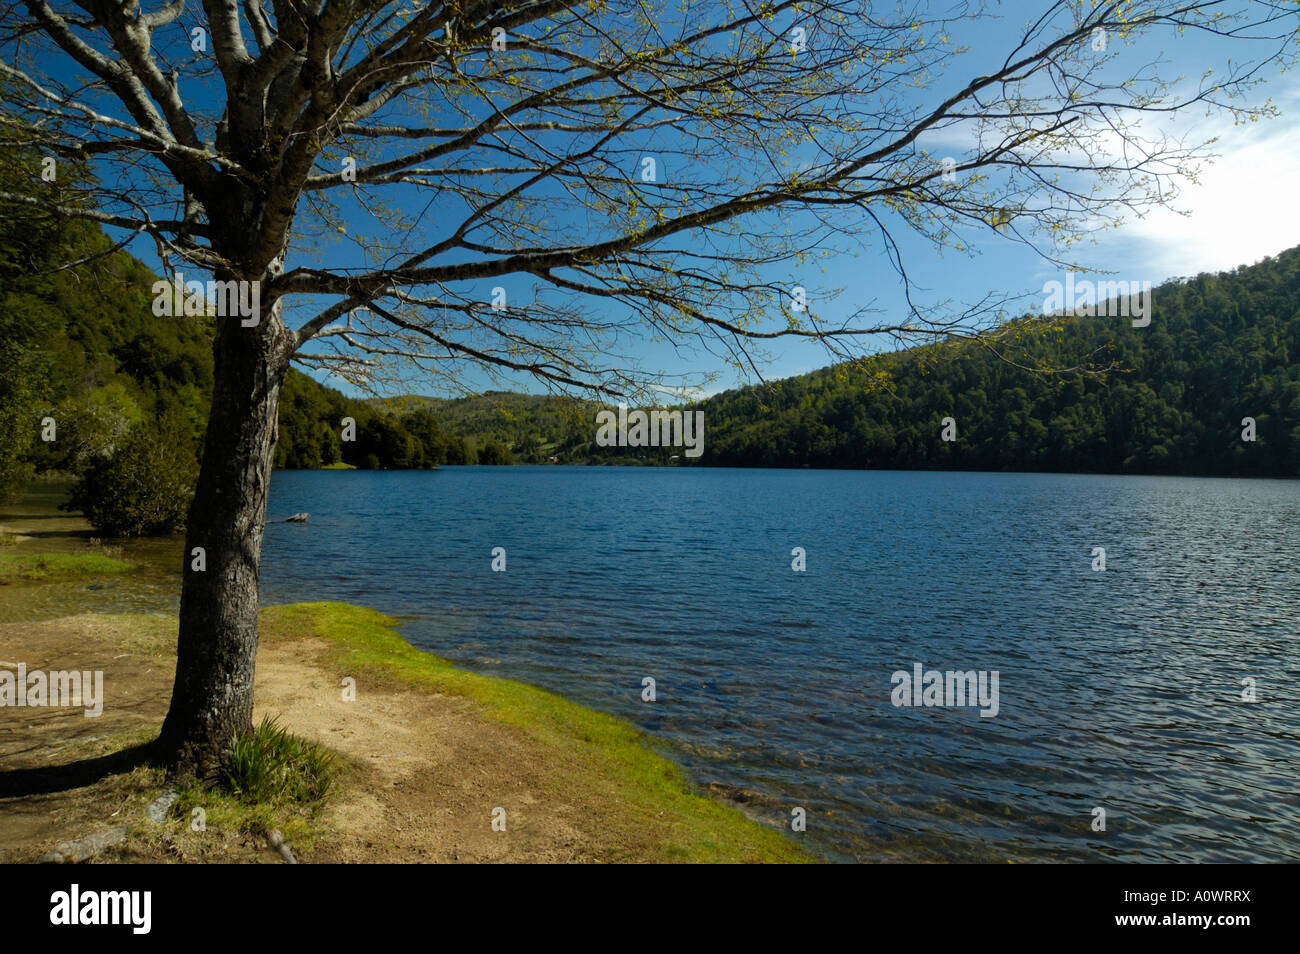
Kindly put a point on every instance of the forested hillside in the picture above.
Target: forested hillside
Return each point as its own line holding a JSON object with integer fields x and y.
{"x": 536, "y": 427}
{"x": 82, "y": 357}
{"x": 1218, "y": 349}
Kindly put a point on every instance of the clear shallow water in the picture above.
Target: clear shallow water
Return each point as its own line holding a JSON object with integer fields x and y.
{"x": 152, "y": 587}
{"x": 1119, "y": 689}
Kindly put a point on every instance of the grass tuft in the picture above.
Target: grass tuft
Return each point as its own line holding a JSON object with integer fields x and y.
{"x": 271, "y": 766}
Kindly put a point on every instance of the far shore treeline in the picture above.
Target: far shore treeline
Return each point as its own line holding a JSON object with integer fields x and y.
{"x": 124, "y": 394}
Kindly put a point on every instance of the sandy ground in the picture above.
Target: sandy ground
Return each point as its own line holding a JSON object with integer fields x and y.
{"x": 425, "y": 773}
{"x": 433, "y": 771}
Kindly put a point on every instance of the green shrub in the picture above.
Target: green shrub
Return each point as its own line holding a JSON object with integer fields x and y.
{"x": 143, "y": 486}
{"x": 494, "y": 452}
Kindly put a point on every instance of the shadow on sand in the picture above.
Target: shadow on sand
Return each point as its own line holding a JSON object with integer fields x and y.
{"x": 46, "y": 779}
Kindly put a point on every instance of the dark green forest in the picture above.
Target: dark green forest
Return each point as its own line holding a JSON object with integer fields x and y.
{"x": 1219, "y": 348}
{"x": 81, "y": 348}
{"x": 83, "y": 360}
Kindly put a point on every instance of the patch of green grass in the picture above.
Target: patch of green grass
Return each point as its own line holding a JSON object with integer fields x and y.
{"x": 58, "y": 566}
{"x": 339, "y": 465}
{"x": 658, "y": 815}
{"x": 228, "y": 817}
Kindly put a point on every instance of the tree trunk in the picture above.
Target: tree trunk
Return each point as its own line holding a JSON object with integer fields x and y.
{"x": 212, "y": 699}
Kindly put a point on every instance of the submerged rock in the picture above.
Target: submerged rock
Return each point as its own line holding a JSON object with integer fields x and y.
{"x": 297, "y": 518}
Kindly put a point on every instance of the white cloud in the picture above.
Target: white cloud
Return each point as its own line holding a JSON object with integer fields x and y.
{"x": 1245, "y": 206}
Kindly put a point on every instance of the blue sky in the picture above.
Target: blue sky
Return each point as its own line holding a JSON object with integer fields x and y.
{"x": 1244, "y": 206}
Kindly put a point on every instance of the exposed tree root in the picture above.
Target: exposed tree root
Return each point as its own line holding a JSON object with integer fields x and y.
{"x": 83, "y": 849}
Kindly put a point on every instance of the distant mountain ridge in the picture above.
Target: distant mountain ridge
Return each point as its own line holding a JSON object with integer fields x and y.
{"x": 1220, "y": 356}
{"x": 84, "y": 348}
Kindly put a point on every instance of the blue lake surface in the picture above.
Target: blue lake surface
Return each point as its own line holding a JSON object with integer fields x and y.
{"x": 1119, "y": 690}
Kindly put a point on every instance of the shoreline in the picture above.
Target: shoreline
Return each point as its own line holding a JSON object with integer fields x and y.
{"x": 591, "y": 787}
{"x": 431, "y": 752}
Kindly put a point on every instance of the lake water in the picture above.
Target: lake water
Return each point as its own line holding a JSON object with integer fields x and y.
{"x": 1120, "y": 690}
